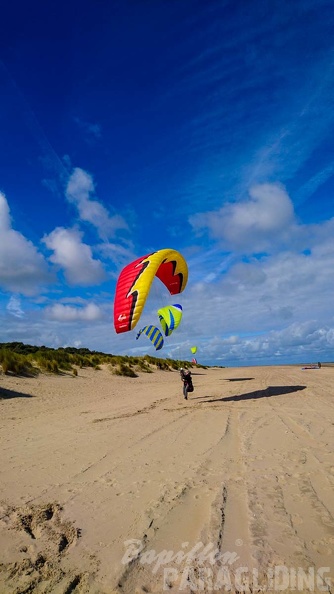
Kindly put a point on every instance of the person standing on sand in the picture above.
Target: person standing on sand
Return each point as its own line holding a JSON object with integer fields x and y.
{"x": 187, "y": 382}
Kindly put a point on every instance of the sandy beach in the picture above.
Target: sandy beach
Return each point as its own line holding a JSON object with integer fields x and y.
{"x": 100, "y": 474}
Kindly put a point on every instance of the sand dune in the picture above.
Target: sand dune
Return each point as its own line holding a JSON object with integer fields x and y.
{"x": 100, "y": 474}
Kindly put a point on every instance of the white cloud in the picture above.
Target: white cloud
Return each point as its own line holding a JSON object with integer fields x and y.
{"x": 116, "y": 253}
{"x": 68, "y": 313}
{"x": 22, "y": 268}
{"x": 265, "y": 294}
{"x": 74, "y": 257}
{"x": 79, "y": 189}
{"x": 296, "y": 343}
{"x": 261, "y": 223}
{"x": 299, "y": 342}
{"x": 276, "y": 307}
{"x": 14, "y": 307}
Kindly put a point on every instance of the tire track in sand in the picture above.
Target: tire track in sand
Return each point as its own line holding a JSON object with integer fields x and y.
{"x": 211, "y": 508}
{"x": 282, "y": 478}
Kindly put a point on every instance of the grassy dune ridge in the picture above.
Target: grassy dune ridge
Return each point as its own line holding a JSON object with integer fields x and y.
{"x": 28, "y": 360}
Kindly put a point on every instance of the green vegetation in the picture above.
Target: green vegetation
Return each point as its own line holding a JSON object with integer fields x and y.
{"x": 11, "y": 362}
{"x": 124, "y": 369}
{"x": 24, "y": 359}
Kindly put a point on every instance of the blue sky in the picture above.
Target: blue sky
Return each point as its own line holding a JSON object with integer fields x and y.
{"x": 203, "y": 126}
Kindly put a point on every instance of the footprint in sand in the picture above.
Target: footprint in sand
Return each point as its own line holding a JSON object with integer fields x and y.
{"x": 296, "y": 520}
{"x": 50, "y": 536}
{"x": 321, "y": 548}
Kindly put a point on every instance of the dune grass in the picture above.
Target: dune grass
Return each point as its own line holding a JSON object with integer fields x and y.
{"x": 23, "y": 359}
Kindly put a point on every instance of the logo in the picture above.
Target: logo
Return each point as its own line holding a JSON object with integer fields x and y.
{"x": 204, "y": 568}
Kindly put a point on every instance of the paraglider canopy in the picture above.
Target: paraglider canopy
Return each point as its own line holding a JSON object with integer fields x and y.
{"x": 170, "y": 318}
{"x": 135, "y": 281}
{"x": 154, "y": 335}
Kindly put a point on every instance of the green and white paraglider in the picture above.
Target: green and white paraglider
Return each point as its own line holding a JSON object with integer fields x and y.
{"x": 170, "y": 317}
{"x": 194, "y": 350}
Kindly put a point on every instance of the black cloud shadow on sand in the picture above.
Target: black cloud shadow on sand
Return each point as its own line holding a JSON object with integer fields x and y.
{"x": 267, "y": 393}
{"x": 238, "y": 379}
{"x": 7, "y": 394}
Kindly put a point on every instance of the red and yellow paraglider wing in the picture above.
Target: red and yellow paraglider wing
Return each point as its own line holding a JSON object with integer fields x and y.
{"x": 135, "y": 281}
